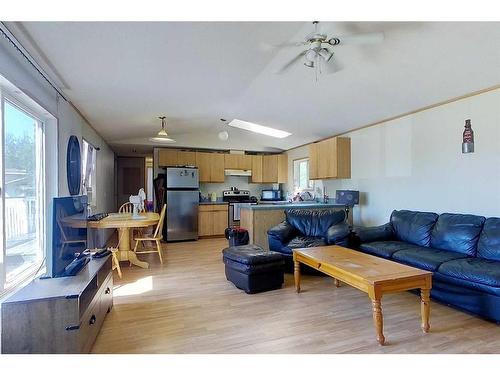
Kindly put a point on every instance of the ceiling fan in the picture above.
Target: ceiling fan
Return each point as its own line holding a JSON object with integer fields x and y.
{"x": 319, "y": 53}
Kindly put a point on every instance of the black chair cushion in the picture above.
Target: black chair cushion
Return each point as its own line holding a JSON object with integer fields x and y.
{"x": 474, "y": 270}
{"x": 457, "y": 232}
{"x": 489, "y": 241}
{"x": 301, "y": 241}
{"x": 413, "y": 226}
{"x": 425, "y": 258}
{"x": 313, "y": 223}
{"x": 385, "y": 249}
{"x": 251, "y": 255}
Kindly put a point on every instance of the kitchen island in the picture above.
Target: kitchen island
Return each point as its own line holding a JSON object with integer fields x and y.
{"x": 259, "y": 218}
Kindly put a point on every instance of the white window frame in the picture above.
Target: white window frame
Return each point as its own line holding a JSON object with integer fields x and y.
{"x": 296, "y": 177}
{"x": 92, "y": 173}
{"x": 47, "y": 157}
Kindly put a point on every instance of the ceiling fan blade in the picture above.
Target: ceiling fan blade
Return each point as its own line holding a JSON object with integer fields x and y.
{"x": 369, "y": 38}
{"x": 291, "y": 62}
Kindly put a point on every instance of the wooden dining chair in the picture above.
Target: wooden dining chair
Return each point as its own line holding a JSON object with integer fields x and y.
{"x": 128, "y": 208}
{"x": 156, "y": 237}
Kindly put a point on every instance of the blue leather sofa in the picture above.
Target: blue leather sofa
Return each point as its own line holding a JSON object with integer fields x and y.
{"x": 307, "y": 228}
{"x": 462, "y": 251}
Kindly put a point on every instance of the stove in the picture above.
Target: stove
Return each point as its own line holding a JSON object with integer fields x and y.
{"x": 236, "y": 198}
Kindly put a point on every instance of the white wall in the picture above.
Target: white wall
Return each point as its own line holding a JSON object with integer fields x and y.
{"x": 416, "y": 162}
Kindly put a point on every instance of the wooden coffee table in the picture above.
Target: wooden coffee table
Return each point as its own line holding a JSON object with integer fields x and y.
{"x": 370, "y": 274}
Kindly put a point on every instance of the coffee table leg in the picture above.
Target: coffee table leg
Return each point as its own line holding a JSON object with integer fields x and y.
{"x": 296, "y": 275}
{"x": 425, "y": 308}
{"x": 378, "y": 320}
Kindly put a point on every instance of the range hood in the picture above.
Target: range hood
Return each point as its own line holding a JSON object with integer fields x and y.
{"x": 238, "y": 172}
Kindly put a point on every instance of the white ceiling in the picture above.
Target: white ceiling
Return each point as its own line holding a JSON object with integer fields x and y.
{"x": 123, "y": 75}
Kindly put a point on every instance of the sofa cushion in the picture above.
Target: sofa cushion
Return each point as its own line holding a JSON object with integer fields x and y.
{"x": 457, "y": 232}
{"x": 489, "y": 240}
{"x": 301, "y": 241}
{"x": 474, "y": 270}
{"x": 385, "y": 249}
{"x": 314, "y": 223}
{"x": 413, "y": 226}
{"x": 425, "y": 258}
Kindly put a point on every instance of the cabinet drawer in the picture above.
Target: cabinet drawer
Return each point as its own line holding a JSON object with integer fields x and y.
{"x": 93, "y": 318}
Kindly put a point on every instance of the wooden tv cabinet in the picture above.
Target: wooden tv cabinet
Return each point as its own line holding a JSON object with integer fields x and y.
{"x": 59, "y": 315}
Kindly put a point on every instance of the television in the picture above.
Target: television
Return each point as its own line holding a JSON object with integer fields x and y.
{"x": 69, "y": 236}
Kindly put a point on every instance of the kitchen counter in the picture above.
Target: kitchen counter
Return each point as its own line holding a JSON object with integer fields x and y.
{"x": 210, "y": 202}
{"x": 289, "y": 205}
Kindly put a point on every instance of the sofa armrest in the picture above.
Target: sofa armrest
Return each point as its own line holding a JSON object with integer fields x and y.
{"x": 338, "y": 234}
{"x": 283, "y": 232}
{"x": 371, "y": 234}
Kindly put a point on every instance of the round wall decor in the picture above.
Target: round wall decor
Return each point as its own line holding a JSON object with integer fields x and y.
{"x": 73, "y": 165}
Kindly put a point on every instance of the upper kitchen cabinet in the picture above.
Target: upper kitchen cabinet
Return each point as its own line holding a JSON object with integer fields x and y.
{"x": 186, "y": 158}
{"x": 256, "y": 168}
{"x": 237, "y": 161}
{"x": 211, "y": 166}
{"x": 274, "y": 168}
{"x": 172, "y": 158}
{"x": 167, "y": 158}
{"x": 330, "y": 158}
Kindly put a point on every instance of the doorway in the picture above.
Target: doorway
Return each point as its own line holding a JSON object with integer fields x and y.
{"x": 131, "y": 176}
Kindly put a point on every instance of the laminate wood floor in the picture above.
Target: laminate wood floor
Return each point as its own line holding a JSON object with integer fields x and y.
{"x": 186, "y": 305}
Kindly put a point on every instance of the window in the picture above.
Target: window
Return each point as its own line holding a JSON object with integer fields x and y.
{"x": 23, "y": 202}
{"x": 301, "y": 174}
{"x": 89, "y": 159}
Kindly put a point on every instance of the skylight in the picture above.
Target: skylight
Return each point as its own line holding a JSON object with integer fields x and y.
{"x": 256, "y": 128}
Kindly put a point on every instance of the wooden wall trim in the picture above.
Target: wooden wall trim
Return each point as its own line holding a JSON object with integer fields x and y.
{"x": 444, "y": 102}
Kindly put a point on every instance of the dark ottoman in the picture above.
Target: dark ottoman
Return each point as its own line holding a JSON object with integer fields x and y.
{"x": 253, "y": 269}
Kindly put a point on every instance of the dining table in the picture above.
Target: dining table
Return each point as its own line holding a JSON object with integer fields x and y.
{"x": 125, "y": 223}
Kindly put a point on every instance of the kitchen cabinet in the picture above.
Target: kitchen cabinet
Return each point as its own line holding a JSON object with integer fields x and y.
{"x": 330, "y": 158}
{"x": 211, "y": 166}
{"x": 172, "y": 158}
{"x": 237, "y": 161}
{"x": 256, "y": 168}
{"x": 167, "y": 158}
{"x": 275, "y": 168}
{"x": 186, "y": 158}
{"x": 212, "y": 219}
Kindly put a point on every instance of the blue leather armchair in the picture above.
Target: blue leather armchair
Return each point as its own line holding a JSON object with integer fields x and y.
{"x": 462, "y": 251}
{"x": 307, "y": 228}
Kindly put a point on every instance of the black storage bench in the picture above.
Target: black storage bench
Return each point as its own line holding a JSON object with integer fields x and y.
{"x": 253, "y": 269}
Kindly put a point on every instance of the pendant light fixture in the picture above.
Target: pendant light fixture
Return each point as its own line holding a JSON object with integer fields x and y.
{"x": 162, "y": 136}
{"x": 223, "y": 135}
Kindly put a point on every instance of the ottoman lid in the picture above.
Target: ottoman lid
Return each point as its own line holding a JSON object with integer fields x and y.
{"x": 251, "y": 254}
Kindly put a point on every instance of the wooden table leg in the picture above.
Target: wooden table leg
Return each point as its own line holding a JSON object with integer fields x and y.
{"x": 296, "y": 275}
{"x": 126, "y": 254}
{"x": 378, "y": 320}
{"x": 425, "y": 308}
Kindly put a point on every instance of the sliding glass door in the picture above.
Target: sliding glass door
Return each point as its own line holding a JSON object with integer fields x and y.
{"x": 22, "y": 206}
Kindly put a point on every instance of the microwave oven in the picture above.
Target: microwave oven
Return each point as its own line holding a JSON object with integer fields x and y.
{"x": 271, "y": 195}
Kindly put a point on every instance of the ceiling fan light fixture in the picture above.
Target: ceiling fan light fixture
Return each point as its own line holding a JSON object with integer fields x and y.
{"x": 309, "y": 64}
{"x": 325, "y": 54}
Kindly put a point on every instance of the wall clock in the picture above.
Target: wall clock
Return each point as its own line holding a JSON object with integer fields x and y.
{"x": 73, "y": 165}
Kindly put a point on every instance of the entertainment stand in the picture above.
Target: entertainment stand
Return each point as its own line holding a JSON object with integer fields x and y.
{"x": 59, "y": 315}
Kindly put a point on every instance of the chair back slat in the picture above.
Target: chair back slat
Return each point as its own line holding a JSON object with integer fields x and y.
{"x": 160, "y": 222}
{"x": 128, "y": 208}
